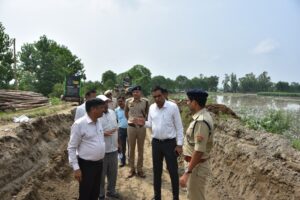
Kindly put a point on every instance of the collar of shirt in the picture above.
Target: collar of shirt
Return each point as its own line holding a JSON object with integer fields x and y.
{"x": 137, "y": 100}
{"x": 164, "y": 106}
{"x": 196, "y": 115}
{"x": 119, "y": 108}
{"x": 88, "y": 119}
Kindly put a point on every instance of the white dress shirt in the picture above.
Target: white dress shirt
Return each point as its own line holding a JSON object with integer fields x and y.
{"x": 165, "y": 122}
{"x": 87, "y": 139}
{"x": 109, "y": 122}
{"x": 80, "y": 111}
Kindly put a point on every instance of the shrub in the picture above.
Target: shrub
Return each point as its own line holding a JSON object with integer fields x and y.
{"x": 274, "y": 121}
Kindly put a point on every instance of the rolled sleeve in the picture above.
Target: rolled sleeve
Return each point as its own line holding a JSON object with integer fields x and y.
{"x": 73, "y": 144}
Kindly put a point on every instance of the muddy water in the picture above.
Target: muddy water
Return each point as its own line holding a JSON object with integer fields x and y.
{"x": 253, "y": 105}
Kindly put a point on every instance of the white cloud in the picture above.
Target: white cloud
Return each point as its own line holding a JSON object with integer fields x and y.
{"x": 266, "y": 46}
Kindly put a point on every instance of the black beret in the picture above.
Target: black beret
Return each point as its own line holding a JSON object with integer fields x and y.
{"x": 136, "y": 88}
{"x": 197, "y": 93}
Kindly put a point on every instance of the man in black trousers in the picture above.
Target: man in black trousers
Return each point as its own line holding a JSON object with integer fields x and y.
{"x": 87, "y": 138}
{"x": 167, "y": 139}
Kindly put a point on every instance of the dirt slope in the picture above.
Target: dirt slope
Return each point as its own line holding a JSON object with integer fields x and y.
{"x": 245, "y": 165}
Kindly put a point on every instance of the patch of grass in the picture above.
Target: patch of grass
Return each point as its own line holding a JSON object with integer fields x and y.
{"x": 33, "y": 113}
{"x": 296, "y": 144}
{"x": 280, "y": 94}
{"x": 274, "y": 121}
{"x": 55, "y": 101}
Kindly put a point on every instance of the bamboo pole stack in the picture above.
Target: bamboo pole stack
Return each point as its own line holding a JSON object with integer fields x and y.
{"x": 19, "y": 100}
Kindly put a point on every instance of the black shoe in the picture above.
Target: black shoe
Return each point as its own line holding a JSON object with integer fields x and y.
{"x": 101, "y": 197}
{"x": 114, "y": 195}
{"x": 122, "y": 165}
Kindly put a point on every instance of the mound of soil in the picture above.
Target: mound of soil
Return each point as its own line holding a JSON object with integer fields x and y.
{"x": 246, "y": 164}
{"x": 33, "y": 155}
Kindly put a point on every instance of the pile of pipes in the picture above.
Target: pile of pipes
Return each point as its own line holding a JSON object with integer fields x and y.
{"x": 19, "y": 100}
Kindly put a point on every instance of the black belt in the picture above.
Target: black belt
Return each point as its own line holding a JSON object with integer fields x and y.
{"x": 164, "y": 140}
{"x": 135, "y": 126}
{"x": 90, "y": 161}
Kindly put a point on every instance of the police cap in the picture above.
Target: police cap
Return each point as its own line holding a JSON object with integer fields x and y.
{"x": 196, "y": 93}
{"x": 137, "y": 87}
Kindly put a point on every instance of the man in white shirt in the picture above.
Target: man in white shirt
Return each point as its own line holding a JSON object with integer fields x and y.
{"x": 110, "y": 162}
{"x": 80, "y": 110}
{"x": 87, "y": 139}
{"x": 167, "y": 139}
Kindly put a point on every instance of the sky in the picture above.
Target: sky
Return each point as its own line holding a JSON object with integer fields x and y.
{"x": 169, "y": 37}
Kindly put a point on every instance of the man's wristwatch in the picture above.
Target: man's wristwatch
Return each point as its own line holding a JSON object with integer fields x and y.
{"x": 187, "y": 171}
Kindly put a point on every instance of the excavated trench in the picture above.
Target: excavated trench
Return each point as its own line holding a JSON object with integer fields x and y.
{"x": 246, "y": 164}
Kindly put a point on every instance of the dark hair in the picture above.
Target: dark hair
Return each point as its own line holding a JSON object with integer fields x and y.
{"x": 121, "y": 97}
{"x": 88, "y": 93}
{"x": 165, "y": 91}
{"x": 158, "y": 88}
{"x": 89, "y": 104}
{"x": 200, "y": 100}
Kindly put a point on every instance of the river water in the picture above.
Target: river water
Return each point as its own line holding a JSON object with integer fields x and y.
{"x": 251, "y": 104}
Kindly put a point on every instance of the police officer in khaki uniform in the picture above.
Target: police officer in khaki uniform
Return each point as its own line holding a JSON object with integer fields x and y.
{"x": 136, "y": 108}
{"x": 197, "y": 145}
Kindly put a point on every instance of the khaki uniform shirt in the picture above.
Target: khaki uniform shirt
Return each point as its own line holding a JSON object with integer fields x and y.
{"x": 200, "y": 140}
{"x": 136, "y": 108}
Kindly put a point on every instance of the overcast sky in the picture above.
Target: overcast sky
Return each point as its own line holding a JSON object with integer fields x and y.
{"x": 170, "y": 37}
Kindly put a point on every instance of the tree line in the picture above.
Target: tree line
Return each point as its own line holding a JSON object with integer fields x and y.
{"x": 43, "y": 65}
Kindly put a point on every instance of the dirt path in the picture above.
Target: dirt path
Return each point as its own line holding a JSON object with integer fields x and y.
{"x": 34, "y": 164}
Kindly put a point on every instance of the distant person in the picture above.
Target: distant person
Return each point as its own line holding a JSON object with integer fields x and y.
{"x": 110, "y": 162}
{"x": 136, "y": 107}
{"x": 167, "y": 139}
{"x": 197, "y": 145}
{"x": 112, "y": 104}
{"x": 80, "y": 110}
{"x": 87, "y": 139}
{"x": 122, "y": 123}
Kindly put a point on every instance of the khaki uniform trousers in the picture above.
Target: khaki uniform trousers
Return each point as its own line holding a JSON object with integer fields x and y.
{"x": 197, "y": 181}
{"x": 136, "y": 135}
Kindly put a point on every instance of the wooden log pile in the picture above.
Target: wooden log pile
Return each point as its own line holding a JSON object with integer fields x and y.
{"x": 19, "y": 100}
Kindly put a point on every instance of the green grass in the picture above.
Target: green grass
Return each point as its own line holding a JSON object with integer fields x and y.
{"x": 55, "y": 101}
{"x": 274, "y": 121}
{"x": 296, "y": 144}
{"x": 277, "y": 94}
{"x": 33, "y": 113}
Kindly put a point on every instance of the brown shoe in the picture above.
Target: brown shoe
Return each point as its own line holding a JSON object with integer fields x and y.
{"x": 141, "y": 174}
{"x": 131, "y": 174}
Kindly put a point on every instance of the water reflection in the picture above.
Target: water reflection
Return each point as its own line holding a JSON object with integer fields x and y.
{"x": 253, "y": 101}
{"x": 258, "y": 106}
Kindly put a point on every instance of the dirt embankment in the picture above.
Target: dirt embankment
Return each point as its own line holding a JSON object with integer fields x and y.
{"x": 246, "y": 165}
{"x": 253, "y": 165}
{"x": 34, "y": 155}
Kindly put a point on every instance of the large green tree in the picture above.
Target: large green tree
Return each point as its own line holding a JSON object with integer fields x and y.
{"x": 109, "y": 79}
{"x": 226, "y": 83}
{"x": 212, "y": 83}
{"x": 141, "y": 75}
{"x": 248, "y": 83}
{"x": 234, "y": 84}
{"x": 6, "y": 59}
{"x": 49, "y": 63}
{"x": 264, "y": 83}
{"x": 282, "y": 86}
{"x": 182, "y": 82}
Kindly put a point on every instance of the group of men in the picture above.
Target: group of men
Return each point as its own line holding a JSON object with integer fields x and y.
{"x": 101, "y": 130}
